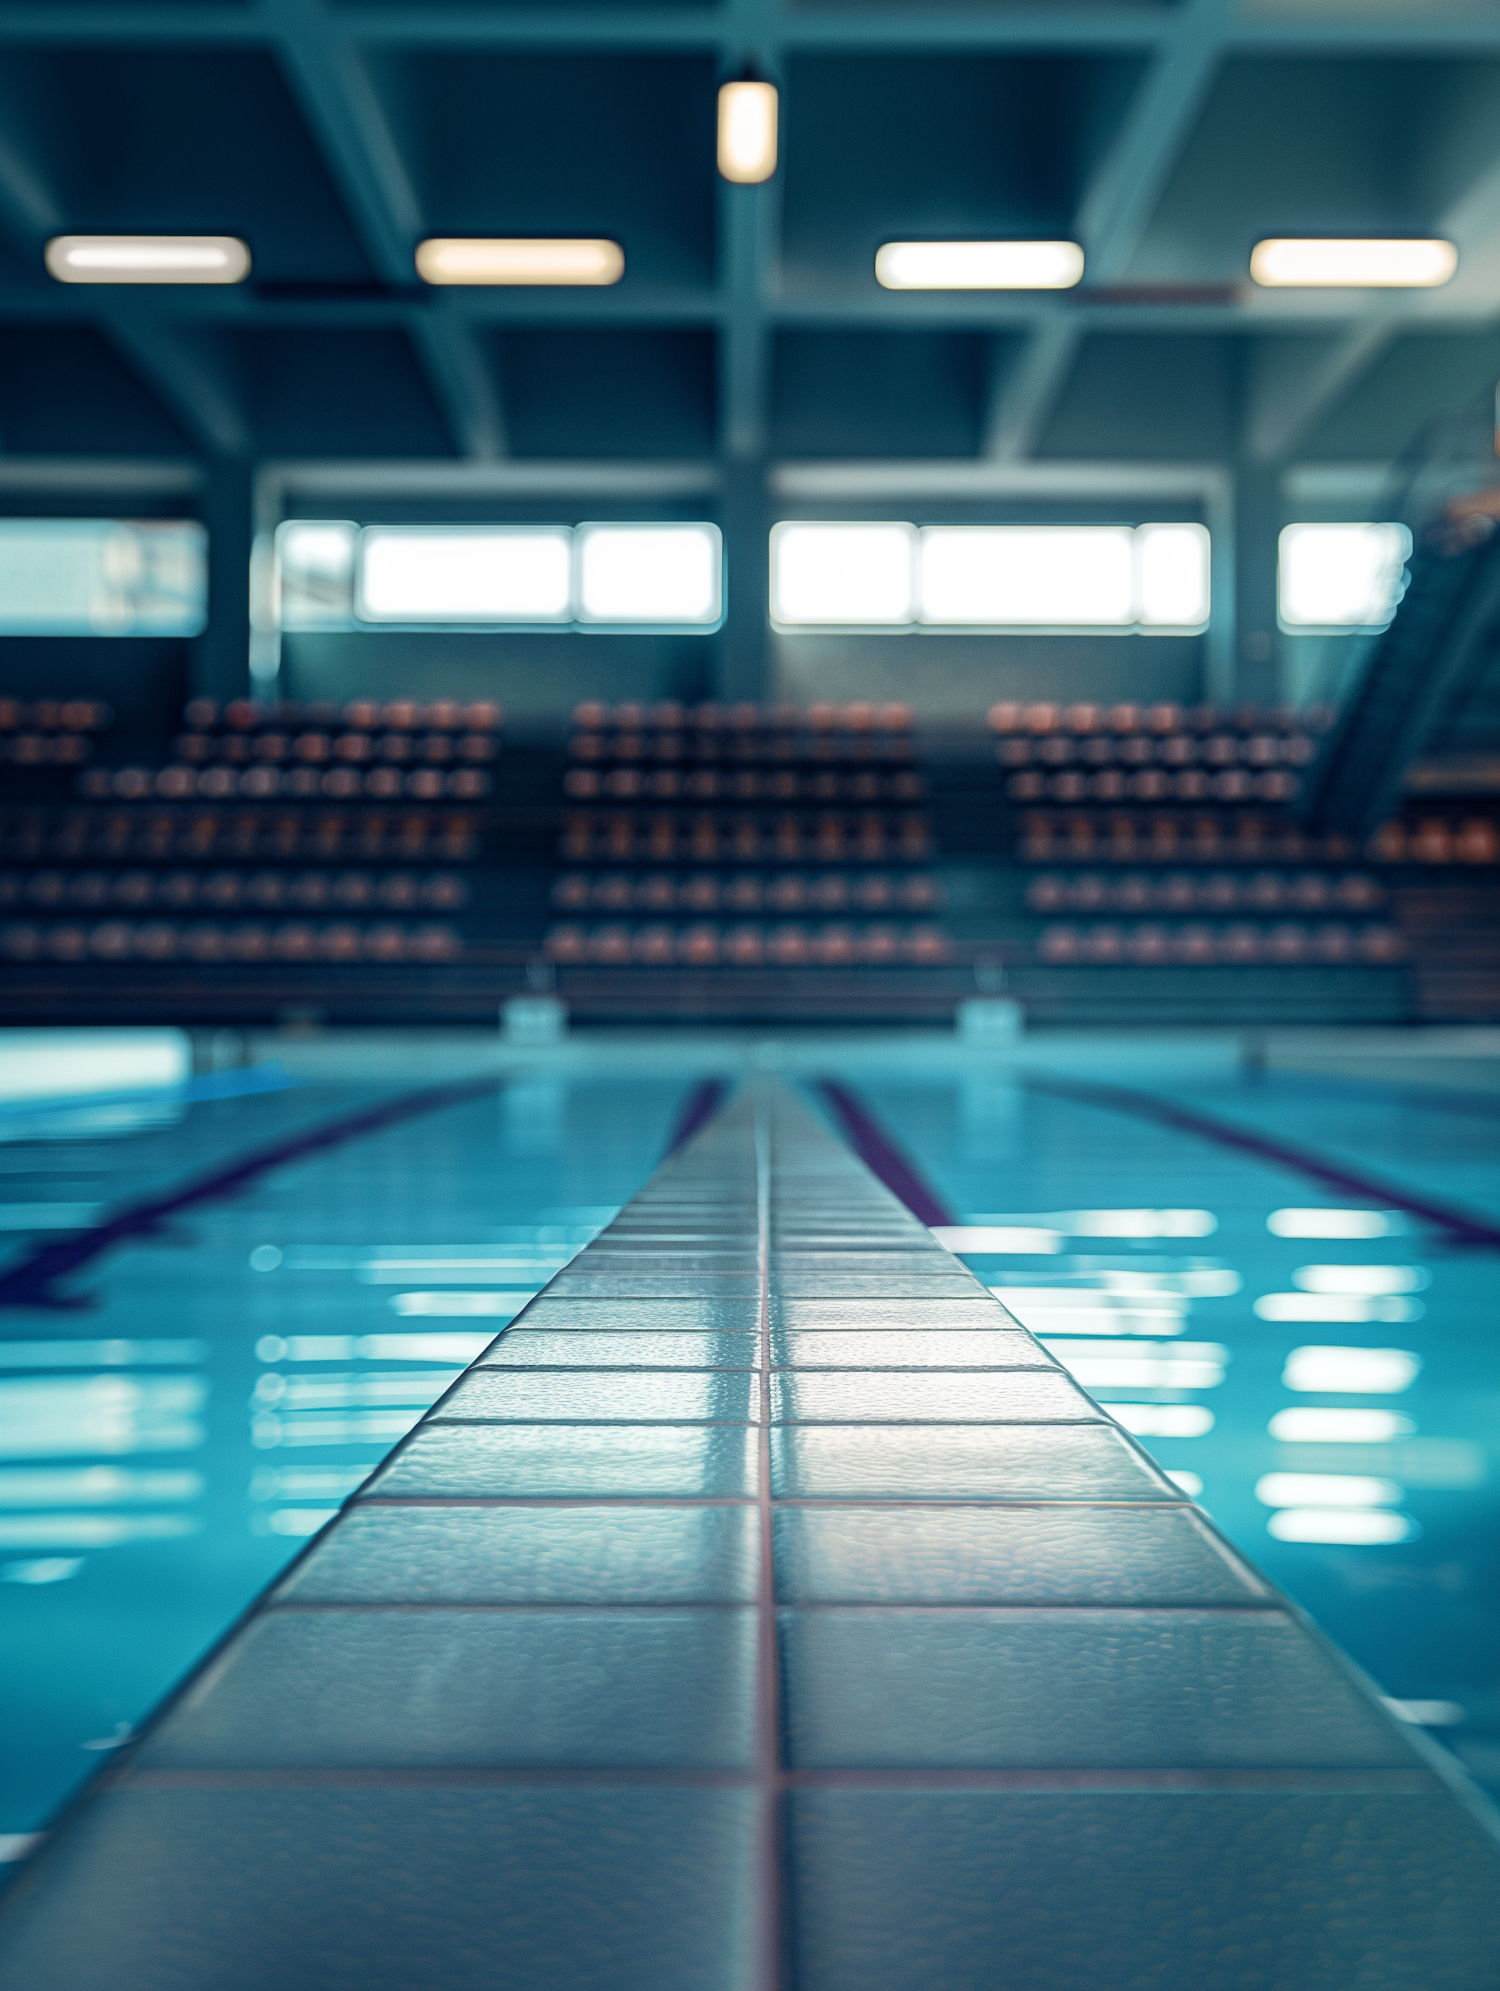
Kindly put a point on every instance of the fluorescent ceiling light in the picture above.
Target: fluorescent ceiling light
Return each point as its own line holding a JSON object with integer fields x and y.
{"x": 484, "y": 574}
{"x": 843, "y": 575}
{"x": 148, "y": 259}
{"x": 650, "y": 573}
{"x": 1043, "y": 576}
{"x": 1331, "y": 578}
{"x": 519, "y": 260}
{"x": 747, "y": 132}
{"x": 1171, "y": 576}
{"x": 1324, "y": 263}
{"x": 978, "y": 265}
{"x": 1351, "y": 1371}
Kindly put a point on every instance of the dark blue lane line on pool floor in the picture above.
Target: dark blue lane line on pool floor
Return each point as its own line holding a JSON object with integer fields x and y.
{"x": 34, "y": 1281}
{"x": 1459, "y": 1227}
{"x": 700, "y": 1106}
{"x": 885, "y": 1160}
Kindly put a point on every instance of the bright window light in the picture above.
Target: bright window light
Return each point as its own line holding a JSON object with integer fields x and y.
{"x": 1362, "y": 1278}
{"x": 1335, "y": 1223}
{"x": 1336, "y": 1307}
{"x": 978, "y": 265}
{"x": 1015, "y": 576}
{"x": 1326, "y": 1490}
{"x": 1332, "y": 578}
{"x": 450, "y": 574}
{"x": 1338, "y": 1427}
{"x": 519, "y": 260}
{"x": 1323, "y": 263}
{"x": 650, "y": 573}
{"x": 1172, "y": 577}
{"x": 747, "y": 132}
{"x": 848, "y": 576}
{"x": 1359, "y": 1371}
{"x": 148, "y": 259}
{"x": 102, "y": 577}
{"x": 1354, "y": 1527}
{"x": 315, "y": 561}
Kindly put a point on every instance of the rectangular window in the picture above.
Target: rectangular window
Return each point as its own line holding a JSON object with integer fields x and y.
{"x": 102, "y": 577}
{"x": 333, "y": 574}
{"x": 1054, "y": 579}
{"x": 1337, "y": 580}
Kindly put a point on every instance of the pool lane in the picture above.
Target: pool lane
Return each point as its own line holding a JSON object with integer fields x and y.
{"x": 1336, "y": 1400}
{"x": 191, "y": 1401}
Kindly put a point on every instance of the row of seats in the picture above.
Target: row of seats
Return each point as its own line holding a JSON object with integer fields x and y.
{"x": 708, "y": 784}
{"x": 54, "y": 715}
{"x": 313, "y": 748}
{"x": 1214, "y": 891}
{"x": 668, "y": 715}
{"x": 265, "y": 784}
{"x": 771, "y": 749}
{"x": 639, "y": 837}
{"x": 1154, "y": 784}
{"x": 745, "y": 892}
{"x": 1174, "y": 750}
{"x": 748, "y": 945}
{"x": 1173, "y": 837}
{"x": 401, "y": 715}
{"x": 204, "y": 833}
{"x": 1239, "y": 945}
{"x": 32, "y": 749}
{"x": 118, "y": 940}
{"x": 1165, "y": 717}
{"x": 222, "y": 891}
{"x": 1438, "y": 840}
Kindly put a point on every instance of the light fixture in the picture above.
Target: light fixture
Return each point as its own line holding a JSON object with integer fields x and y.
{"x": 1172, "y": 577}
{"x": 502, "y": 259}
{"x": 1317, "y": 262}
{"x": 831, "y": 575}
{"x": 148, "y": 259}
{"x": 747, "y": 132}
{"x": 1027, "y": 576}
{"x": 979, "y": 265}
{"x": 1331, "y": 578}
{"x": 650, "y": 574}
{"x": 449, "y": 574}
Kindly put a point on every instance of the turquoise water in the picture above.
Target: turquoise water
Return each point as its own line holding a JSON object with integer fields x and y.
{"x": 179, "y": 1413}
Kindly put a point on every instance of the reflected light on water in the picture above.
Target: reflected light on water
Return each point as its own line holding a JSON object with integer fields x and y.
{"x": 1326, "y": 1490}
{"x": 1353, "y": 1526}
{"x": 1336, "y": 1223}
{"x": 1359, "y": 1371}
{"x": 1308, "y": 1426}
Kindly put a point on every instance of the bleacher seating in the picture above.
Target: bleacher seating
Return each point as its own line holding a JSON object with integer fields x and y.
{"x": 797, "y": 796}
{"x": 261, "y": 836}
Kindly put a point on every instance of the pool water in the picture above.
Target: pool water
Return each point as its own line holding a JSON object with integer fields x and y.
{"x": 181, "y": 1410}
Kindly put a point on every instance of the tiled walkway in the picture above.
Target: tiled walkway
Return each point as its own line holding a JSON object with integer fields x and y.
{"x": 767, "y": 1608}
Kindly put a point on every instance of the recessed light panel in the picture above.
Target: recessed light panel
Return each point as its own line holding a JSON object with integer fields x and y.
{"x": 853, "y": 576}
{"x": 148, "y": 259}
{"x": 448, "y": 574}
{"x": 1318, "y": 263}
{"x": 979, "y": 265}
{"x": 650, "y": 574}
{"x": 747, "y": 132}
{"x": 1332, "y": 578}
{"x": 501, "y": 259}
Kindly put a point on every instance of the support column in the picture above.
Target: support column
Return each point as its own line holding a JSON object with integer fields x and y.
{"x": 744, "y": 660}
{"x": 221, "y": 655}
{"x": 1257, "y": 522}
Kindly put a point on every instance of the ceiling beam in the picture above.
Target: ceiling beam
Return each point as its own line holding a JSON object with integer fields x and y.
{"x": 351, "y": 131}
{"x": 1024, "y": 391}
{"x": 1291, "y": 388}
{"x": 187, "y": 376}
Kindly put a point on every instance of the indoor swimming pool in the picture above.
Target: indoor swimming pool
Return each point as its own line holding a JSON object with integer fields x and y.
{"x": 223, "y": 1305}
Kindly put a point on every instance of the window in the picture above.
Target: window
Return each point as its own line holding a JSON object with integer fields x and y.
{"x": 999, "y": 577}
{"x": 1335, "y": 580}
{"x": 333, "y": 574}
{"x": 102, "y": 577}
